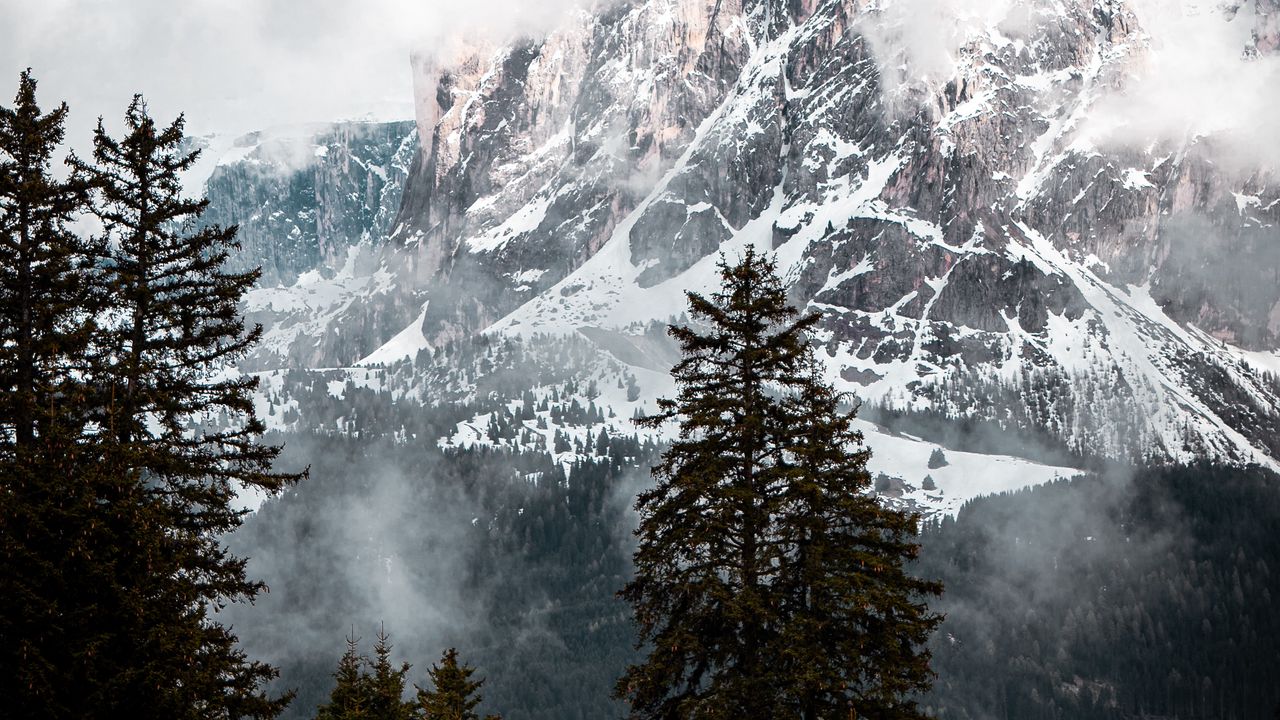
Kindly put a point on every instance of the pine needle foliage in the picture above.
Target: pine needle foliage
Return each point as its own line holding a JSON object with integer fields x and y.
{"x": 46, "y": 287}
{"x": 174, "y": 326}
{"x": 367, "y": 689}
{"x": 768, "y": 582}
{"x": 453, "y": 694}
{"x": 351, "y": 698}
{"x": 387, "y": 684}
{"x": 113, "y": 498}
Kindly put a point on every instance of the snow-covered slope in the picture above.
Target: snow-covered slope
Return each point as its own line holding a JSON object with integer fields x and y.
{"x": 966, "y": 236}
{"x": 312, "y": 203}
{"x": 992, "y": 230}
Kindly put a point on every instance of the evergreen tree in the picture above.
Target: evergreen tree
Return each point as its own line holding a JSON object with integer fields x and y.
{"x": 706, "y": 554}
{"x": 852, "y": 630}
{"x": 46, "y": 279}
{"x": 171, "y": 329}
{"x": 454, "y": 695}
{"x": 175, "y": 326}
{"x": 353, "y": 689}
{"x": 111, "y": 512}
{"x": 387, "y": 685}
{"x": 742, "y": 574}
{"x": 55, "y": 528}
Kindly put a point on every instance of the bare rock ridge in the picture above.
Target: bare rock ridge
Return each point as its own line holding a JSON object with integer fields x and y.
{"x": 970, "y": 238}
{"x": 302, "y": 196}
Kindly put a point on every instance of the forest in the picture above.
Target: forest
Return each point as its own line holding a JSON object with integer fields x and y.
{"x": 1136, "y": 592}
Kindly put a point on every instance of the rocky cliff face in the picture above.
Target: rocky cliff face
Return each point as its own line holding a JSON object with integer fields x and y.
{"x": 303, "y": 196}
{"x": 970, "y": 233}
{"x": 1266, "y": 34}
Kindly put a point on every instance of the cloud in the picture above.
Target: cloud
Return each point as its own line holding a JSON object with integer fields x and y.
{"x": 1197, "y": 80}
{"x": 1195, "y": 76}
{"x": 241, "y": 65}
{"x": 918, "y": 41}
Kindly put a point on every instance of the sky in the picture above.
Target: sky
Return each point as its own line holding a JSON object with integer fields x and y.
{"x": 239, "y": 65}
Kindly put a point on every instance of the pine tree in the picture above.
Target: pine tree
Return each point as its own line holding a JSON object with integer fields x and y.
{"x": 768, "y": 583}
{"x": 170, "y": 330}
{"x": 47, "y": 286}
{"x": 706, "y": 555}
{"x": 454, "y": 695}
{"x": 53, "y": 525}
{"x": 852, "y": 628}
{"x": 387, "y": 684}
{"x": 353, "y": 687}
{"x": 176, "y": 324}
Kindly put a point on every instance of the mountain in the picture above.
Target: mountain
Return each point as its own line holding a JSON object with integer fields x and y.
{"x": 984, "y": 244}
{"x": 310, "y": 201}
{"x": 1039, "y": 240}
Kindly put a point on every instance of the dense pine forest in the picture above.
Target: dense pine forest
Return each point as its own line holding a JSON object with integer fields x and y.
{"x": 1146, "y": 593}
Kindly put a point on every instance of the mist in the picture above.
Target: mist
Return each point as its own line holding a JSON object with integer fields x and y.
{"x": 1199, "y": 78}
{"x": 1133, "y": 592}
{"x": 234, "y": 66}
{"x": 514, "y": 565}
{"x": 1196, "y": 74}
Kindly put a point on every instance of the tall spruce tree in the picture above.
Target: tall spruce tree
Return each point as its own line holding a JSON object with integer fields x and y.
{"x": 159, "y": 356}
{"x": 352, "y": 689}
{"x": 175, "y": 326}
{"x": 47, "y": 286}
{"x": 52, "y": 490}
{"x": 111, "y": 504}
{"x": 741, "y": 573}
{"x": 387, "y": 684}
{"x": 853, "y": 625}
{"x": 453, "y": 694}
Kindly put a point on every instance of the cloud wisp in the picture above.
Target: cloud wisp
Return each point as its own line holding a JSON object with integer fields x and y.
{"x": 235, "y": 66}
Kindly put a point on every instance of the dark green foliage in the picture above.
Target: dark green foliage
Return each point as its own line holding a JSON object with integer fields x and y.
{"x": 387, "y": 684}
{"x": 112, "y": 511}
{"x": 767, "y": 584}
{"x": 367, "y": 689}
{"x": 1112, "y": 597}
{"x": 937, "y": 459}
{"x": 173, "y": 324}
{"x": 852, "y": 628}
{"x": 46, "y": 294}
{"x": 47, "y": 515}
{"x": 453, "y": 695}
{"x": 176, "y": 326}
{"x": 350, "y": 698}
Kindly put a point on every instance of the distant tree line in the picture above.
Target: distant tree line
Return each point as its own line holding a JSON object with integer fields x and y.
{"x": 1137, "y": 594}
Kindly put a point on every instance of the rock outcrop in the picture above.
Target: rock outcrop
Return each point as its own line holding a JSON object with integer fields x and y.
{"x": 303, "y": 196}
{"x": 960, "y": 233}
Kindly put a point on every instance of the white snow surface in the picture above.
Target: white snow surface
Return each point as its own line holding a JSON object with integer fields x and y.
{"x": 405, "y": 345}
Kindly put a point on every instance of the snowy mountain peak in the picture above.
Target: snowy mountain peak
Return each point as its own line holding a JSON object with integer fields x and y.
{"x": 986, "y": 201}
